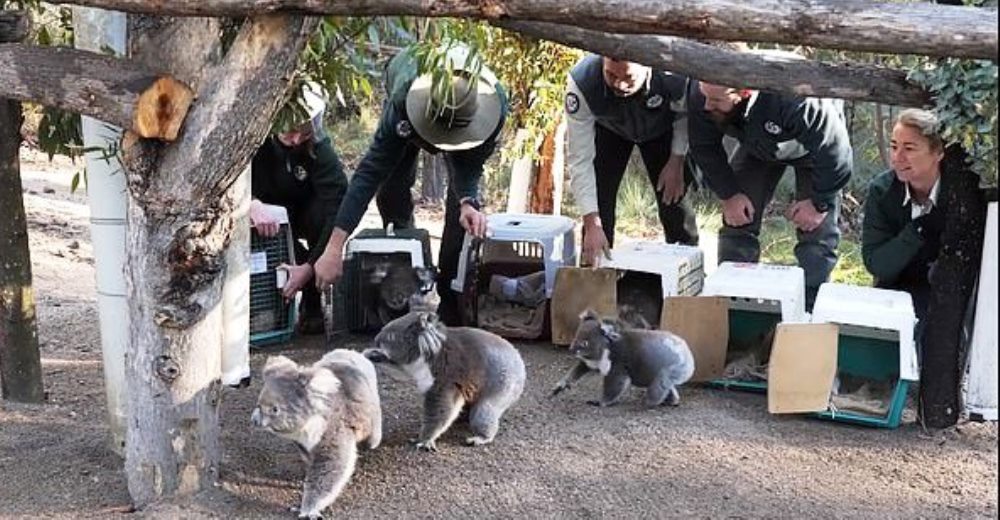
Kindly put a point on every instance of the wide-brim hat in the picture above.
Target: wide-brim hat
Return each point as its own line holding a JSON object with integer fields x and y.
{"x": 444, "y": 134}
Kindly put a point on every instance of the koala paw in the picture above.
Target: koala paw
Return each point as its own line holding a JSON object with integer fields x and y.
{"x": 316, "y": 515}
{"x": 476, "y": 440}
{"x": 595, "y": 402}
{"x": 426, "y": 446}
{"x": 557, "y": 390}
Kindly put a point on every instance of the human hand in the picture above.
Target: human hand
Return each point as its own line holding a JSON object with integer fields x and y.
{"x": 298, "y": 277}
{"x": 473, "y": 221}
{"x": 595, "y": 245}
{"x": 737, "y": 210}
{"x": 328, "y": 268}
{"x": 804, "y": 215}
{"x": 261, "y": 219}
{"x": 670, "y": 184}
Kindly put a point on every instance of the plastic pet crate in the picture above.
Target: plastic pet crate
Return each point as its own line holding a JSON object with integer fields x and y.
{"x": 517, "y": 245}
{"x": 651, "y": 271}
{"x": 356, "y": 302}
{"x": 272, "y": 319}
{"x": 760, "y": 296}
{"x": 875, "y": 346}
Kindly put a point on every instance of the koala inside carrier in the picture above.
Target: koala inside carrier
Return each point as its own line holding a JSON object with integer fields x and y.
{"x": 386, "y": 272}
{"x": 506, "y": 280}
{"x": 272, "y": 319}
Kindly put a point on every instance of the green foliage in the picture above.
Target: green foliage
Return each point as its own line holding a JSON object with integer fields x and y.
{"x": 965, "y": 99}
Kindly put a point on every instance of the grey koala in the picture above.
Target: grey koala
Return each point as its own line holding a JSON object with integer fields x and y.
{"x": 452, "y": 367}
{"x": 326, "y": 409}
{"x": 653, "y": 359}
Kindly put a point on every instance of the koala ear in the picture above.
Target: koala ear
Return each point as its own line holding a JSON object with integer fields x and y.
{"x": 588, "y": 314}
{"x": 611, "y": 330}
{"x": 323, "y": 382}
{"x": 425, "y": 277}
{"x": 277, "y": 364}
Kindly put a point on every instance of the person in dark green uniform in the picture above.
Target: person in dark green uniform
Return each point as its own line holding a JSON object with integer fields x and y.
{"x": 299, "y": 170}
{"x": 461, "y": 121}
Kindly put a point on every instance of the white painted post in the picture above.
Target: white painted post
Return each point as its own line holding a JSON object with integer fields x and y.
{"x": 96, "y": 30}
{"x": 981, "y": 390}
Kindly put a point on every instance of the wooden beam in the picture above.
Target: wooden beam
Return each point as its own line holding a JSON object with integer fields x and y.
{"x": 860, "y": 25}
{"x": 738, "y": 69}
{"x": 115, "y": 90}
{"x": 14, "y": 26}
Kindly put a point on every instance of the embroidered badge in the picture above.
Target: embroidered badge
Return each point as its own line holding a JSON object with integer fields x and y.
{"x": 654, "y": 101}
{"x": 300, "y": 172}
{"x": 772, "y": 128}
{"x": 572, "y": 103}
{"x": 404, "y": 129}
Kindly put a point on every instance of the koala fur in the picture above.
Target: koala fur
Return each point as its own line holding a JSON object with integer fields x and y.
{"x": 653, "y": 359}
{"x": 452, "y": 367}
{"x": 326, "y": 409}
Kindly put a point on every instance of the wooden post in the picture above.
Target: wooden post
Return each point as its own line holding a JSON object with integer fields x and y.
{"x": 20, "y": 361}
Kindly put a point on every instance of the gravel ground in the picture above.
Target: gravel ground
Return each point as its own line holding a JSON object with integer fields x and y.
{"x": 718, "y": 455}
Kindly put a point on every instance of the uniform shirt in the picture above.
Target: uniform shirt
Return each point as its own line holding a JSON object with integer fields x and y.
{"x": 775, "y": 128}
{"x": 654, "y": 110}
{"x": 294, "y": 178}
{"x": 395, "y": 133}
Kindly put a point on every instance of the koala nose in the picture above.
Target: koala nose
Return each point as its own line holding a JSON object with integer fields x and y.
{"x": 375, "y": 356}
{"x": 255, "y": 417}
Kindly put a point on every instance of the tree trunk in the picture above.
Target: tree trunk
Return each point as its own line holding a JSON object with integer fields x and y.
{"x": 880, "y": 140}
{"x": 739, "y": 69}
{"x": 20, "y": 362}
{"x": 522, "y": 171}
{"x": 860, "y": 25}
{"x": 543, "y": 183}
{"x": 433, "y": 175}
{"x": 115, "y": 90}
{"x": 180, "y": 221}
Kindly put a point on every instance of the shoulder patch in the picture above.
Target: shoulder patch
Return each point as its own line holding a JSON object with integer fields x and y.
{"x": 572, "y": 103}
{"x": 404, "y": 129}
{"x": 654, "y": 101}
{"x": 772, "y": 128}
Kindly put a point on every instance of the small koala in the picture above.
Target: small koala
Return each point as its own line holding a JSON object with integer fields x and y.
{"x": 452, "y": 367}
{"x": 653, "y": 359}
{"x": 399, "y": 288}
{"x": 326, "y": 409}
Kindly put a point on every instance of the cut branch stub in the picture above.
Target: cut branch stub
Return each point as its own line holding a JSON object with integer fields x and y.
{"x": 14, "y": 26}
{"x": 161, "y": 109}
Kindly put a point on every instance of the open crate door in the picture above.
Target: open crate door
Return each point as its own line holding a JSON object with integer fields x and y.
{"x": 703, "y": 322}
{"x": 802, "y": 367}
{"x": 576, "y": 290}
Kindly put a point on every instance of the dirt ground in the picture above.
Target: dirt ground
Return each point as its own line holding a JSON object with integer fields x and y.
{"x": 718, "y": 455}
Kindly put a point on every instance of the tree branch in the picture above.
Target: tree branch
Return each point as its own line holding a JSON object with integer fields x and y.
{"x": 738, "y": 69}
{"x": 860, "y": 25}
{"x": 115, "y": 90}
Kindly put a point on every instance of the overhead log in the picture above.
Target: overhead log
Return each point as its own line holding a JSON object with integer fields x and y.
{"x": 860, "y": 25}
{"x": 14, "y": 26}
{"x": 115, "y": 90}
{"x": 738, "y": 69}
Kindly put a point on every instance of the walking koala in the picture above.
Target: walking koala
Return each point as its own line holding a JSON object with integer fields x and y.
{"x": 452, "y": 367}
{"x": 653, "y": 359}
{"x": 326, "y": 409}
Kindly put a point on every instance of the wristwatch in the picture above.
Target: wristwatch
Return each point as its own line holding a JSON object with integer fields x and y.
{"x": 472, "y": 201}
{"x": 821, "y": 206}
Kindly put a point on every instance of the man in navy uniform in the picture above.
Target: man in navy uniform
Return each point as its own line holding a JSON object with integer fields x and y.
{"x": 612, "y": 106}
{"x": 461, "y": 121}
{"x": 774, "y": 131}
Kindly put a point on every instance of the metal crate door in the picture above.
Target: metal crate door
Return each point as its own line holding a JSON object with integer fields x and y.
{"x": 272, "y": 320}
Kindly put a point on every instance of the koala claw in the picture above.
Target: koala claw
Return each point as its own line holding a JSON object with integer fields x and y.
{"x": 427, "y": 446}
{"x": 595, "y": 402}
{"x": 311, "y": 516}
{"x": 557, "y": 390}
{"x": 476, "y": 441}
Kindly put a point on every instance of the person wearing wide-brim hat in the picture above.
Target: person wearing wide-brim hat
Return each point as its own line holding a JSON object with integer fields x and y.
{"x": 459, "y": 117}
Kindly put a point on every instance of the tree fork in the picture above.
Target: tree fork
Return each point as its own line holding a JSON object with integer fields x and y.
{"x": 859, "y": 25}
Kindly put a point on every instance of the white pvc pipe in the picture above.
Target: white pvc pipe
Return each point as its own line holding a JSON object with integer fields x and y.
{"x": 96, "y": 30}
{"x": 236, "y": 288}
{"x": 981, "y": 391}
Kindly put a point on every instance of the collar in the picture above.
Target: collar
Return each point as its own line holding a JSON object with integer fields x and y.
{"x": 932, "y": 198}
{"x": 754, "y": 94}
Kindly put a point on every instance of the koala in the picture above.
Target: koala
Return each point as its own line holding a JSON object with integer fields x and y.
{"x": 653, "y": 359}
{"x": 452, "y": 367}
{"x": 326, "y": 409}
{"x": 399, "y": 287}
